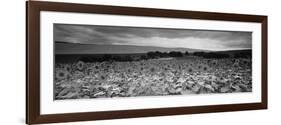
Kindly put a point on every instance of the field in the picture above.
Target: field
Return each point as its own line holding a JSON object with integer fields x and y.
{"x": 152, "y": 77}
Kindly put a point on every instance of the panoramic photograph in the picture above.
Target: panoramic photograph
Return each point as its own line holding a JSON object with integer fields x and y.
{"x": 94, "y": 61}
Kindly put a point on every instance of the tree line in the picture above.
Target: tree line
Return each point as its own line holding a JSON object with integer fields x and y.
{"x": 158, "y": 54}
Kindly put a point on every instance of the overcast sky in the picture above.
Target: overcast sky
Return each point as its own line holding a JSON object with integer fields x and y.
{"x": 195, "y": 39}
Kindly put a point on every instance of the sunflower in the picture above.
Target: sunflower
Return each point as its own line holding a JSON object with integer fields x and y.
{"x": 221, "y": 80}
{"x": 90, "y": 71}
{"x": 236, "y": 61}
{"x": 141, "y": 68}
{"x": 168, "y": 66}
{"x": 190, "y": 70}
{"x": 97, "y": 67}
{"x": 67, "y": 68}
{"x": 212, "y": 78}
{"x": 205, "y": 68}
{"x": 80, "y": 65}
{"x": 61, "y": 74}
{"x": 129, "y": 70}
{"x": 236, "y": 65}
{"x": 180, "y": 67}
{"x": 246, "y": 62}
{"x": 165, "y": 68}
{"x": 215, "y": 62}
{"x": 152, "y": 69}
{"x": 102, "y": 78}
{"x": 199, "y": 67}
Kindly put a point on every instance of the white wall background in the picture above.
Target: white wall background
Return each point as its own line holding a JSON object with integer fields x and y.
{"x": 12, "y": 64}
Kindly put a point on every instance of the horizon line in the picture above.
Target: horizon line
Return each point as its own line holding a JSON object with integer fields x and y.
{"x": 158, "y": 46}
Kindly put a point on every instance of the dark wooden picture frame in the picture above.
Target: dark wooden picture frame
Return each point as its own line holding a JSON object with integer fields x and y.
{"x": 33, "y": 9}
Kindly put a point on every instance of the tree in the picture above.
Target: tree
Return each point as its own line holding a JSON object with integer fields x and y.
{"x": 107, "y": 57}
{"x": 186, "y": 53}
{"x": 175, "y": 54}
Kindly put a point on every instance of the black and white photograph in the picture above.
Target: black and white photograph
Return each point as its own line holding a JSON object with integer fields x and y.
{"x": 99, "y": 61}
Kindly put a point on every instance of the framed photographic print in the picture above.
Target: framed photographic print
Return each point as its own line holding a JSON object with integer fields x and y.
{"x": 93, "y": 62}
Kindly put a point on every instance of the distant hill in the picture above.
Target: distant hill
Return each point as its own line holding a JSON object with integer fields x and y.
{"x": 235, "y": 51}
{"x": 77, "y": 48}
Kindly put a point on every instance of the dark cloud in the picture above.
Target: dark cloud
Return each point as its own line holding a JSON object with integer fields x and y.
{"x": 92, "y": 34}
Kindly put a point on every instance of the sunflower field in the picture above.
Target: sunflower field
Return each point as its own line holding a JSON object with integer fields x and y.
{"x": 153, "y": 77}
